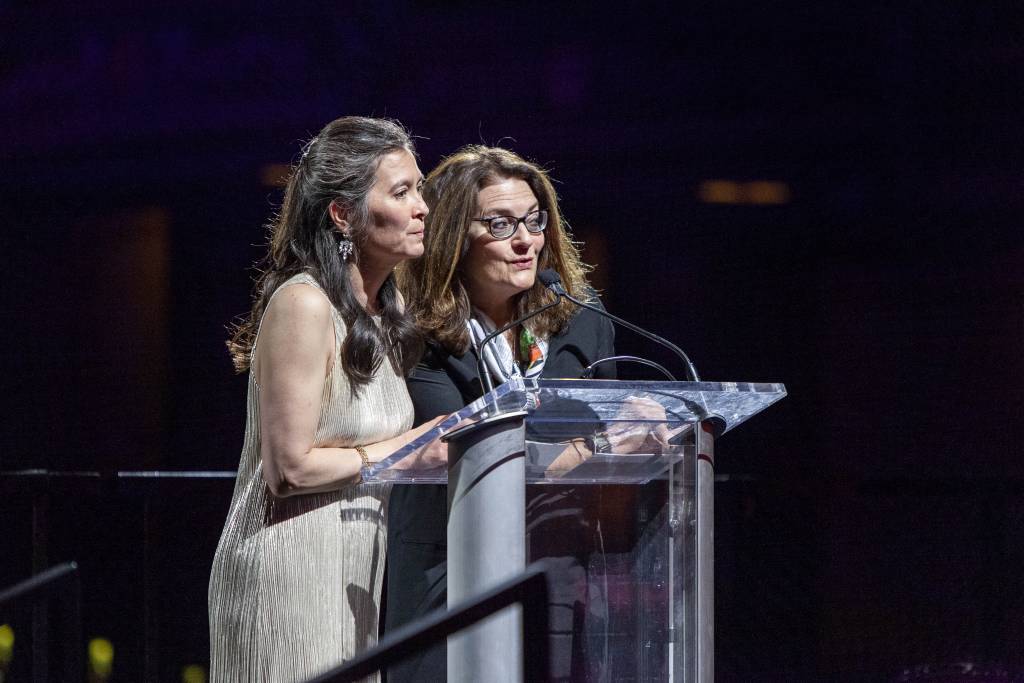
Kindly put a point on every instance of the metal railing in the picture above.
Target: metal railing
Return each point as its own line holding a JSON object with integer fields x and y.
{"x": 39, "y": 590}
{"x": 43, "y": 488}
{"x": 529, "y": 589}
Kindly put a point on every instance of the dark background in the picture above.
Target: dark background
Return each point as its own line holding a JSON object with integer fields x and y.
{"x": 872, "y": 520}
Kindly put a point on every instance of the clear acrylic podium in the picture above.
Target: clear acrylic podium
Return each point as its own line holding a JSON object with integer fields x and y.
{"x": 613, "y": 483}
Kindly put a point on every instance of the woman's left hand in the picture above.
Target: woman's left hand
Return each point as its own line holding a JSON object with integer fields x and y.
{"x": 640, "y": 436}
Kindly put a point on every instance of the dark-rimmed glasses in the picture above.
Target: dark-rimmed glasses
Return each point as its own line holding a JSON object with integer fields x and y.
{"x": 503, "y": 227}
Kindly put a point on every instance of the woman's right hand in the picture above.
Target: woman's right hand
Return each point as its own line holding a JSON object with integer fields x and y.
{"x": 431, "y": 456}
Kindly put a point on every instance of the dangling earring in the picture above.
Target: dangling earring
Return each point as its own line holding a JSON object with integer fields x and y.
{"x": 345, "y": 247}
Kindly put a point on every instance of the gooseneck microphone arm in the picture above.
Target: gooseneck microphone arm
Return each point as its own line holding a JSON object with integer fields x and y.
{"x": 553, "y": 282}
{"x": 481, "y": 366}
{"x": 588, "y": 371}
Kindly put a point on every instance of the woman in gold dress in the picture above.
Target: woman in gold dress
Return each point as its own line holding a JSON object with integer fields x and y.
{"x": 296, "y": 581}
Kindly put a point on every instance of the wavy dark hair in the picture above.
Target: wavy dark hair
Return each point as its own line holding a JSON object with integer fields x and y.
{"x": 433, "y": 284}
{"x": 340, "y": 165}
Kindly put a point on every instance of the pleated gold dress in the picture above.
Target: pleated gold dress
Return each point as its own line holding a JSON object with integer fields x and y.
{"x": 296, "y": 582}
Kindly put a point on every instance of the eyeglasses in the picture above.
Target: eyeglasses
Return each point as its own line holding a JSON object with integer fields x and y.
{"x": 503, "y": 227}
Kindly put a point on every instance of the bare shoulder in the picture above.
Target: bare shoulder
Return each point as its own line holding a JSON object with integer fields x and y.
{"x": 298, "y": 304}
{"x": 297, "y": 328}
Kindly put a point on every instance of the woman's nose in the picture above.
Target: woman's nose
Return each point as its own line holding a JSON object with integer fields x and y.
{"x": 521, "y": 235}
{"x": 421, "y": 208}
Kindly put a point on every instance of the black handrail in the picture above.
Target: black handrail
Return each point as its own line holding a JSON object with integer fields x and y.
{"x": 42, "y": 586}
{"x": 44, "y": 581}
{"x": 530, "y": 589}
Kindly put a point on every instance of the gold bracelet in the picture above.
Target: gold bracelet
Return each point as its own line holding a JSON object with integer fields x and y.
{"x": 362, "y": 454}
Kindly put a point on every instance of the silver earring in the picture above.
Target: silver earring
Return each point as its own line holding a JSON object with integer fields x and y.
{"x": 345, "y": 247}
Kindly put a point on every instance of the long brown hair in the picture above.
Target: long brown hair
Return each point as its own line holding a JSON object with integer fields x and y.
{"x": 433, "y": 284}
{"x": 339, "y": 165}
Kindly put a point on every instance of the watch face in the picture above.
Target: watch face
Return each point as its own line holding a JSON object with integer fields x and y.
{"x": 601, "y": 444}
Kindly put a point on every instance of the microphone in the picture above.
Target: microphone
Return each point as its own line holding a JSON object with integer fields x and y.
{"x": 481, "y": 366}
{"x": 553, "y": 282}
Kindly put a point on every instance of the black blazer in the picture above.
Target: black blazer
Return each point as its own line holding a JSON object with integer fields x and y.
{"x": 417, "y": 514}
{"x": 443, "y": 383}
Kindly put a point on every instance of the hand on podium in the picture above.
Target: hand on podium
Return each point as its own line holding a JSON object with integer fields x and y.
{"x": 432, "y": 456}
{"x": 639, "y": 435}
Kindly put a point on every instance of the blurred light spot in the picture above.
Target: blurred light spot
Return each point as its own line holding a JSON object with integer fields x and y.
{"x": 275, "y": 175}
{"x": 767, "y": 192}
{"x": 757, "y": 192}
{"x": 101, "y": 657}
{"x": 6, "y": 644}
{"x": 719, "y": 192}
{"x": 193, "y": 673}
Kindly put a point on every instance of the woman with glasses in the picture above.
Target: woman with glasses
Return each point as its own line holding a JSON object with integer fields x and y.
{"x": 494, "y": 223}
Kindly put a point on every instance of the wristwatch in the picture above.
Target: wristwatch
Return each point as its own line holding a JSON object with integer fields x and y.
{"x": 599, "y": 443}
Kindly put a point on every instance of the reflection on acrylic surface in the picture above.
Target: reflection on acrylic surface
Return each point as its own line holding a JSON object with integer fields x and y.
{"x": 589, "y": 431}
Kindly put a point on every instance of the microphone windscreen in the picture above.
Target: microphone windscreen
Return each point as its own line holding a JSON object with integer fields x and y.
{"x": 549, "y": 277}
